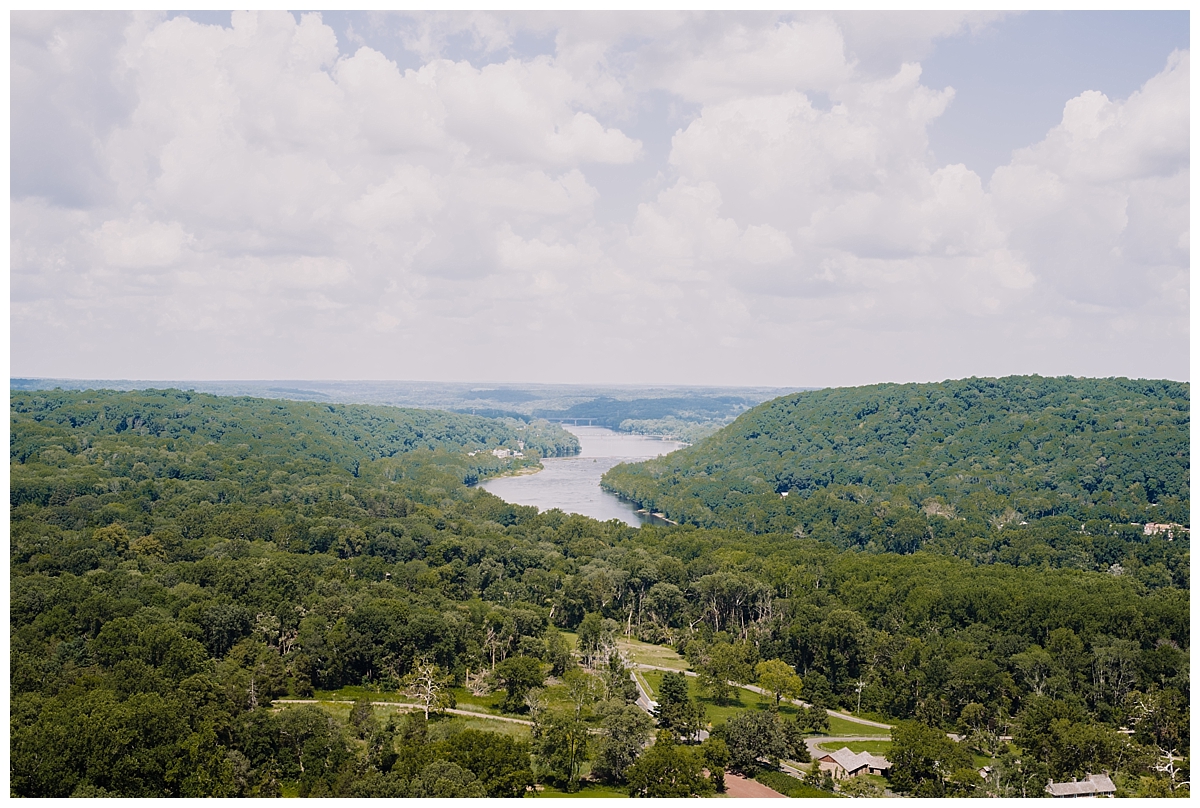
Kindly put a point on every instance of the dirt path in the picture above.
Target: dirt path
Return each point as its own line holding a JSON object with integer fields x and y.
{"x": 738, "y": 786}
{"x": 408, "y": 706}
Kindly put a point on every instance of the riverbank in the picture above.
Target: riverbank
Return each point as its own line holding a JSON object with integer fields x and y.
{"x": 523, "y": 471}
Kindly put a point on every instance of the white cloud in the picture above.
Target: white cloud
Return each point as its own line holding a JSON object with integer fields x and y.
{"x": 1101, "y": 202}
{"x": 141, "y": 244}
{"x": 241, "y": 196}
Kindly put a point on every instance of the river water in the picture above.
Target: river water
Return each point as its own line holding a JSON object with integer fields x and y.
{"x": 573, "y": 483}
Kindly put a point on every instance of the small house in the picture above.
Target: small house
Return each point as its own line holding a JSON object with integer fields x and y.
{"x": 1094, "y": 785}
{"x": 843, "y": 763}
{"x": 1170, "y": 528}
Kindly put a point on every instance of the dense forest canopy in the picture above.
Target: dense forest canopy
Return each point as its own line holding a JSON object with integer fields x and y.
{"x": 172, "y": 429}
{"x": 183, "y": 561}
{"x": 1023, "y": 470}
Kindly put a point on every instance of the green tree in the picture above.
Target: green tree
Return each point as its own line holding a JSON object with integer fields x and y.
{"x": 715, "y": 754}
{"x": 500, "y": 764}
{"x": 445, "y": 780}
{"x": 597, "y": 637}
{"x": 582, "y": 689}
{"x": 362, "y": 717}
{"x": 754, "y": 739}
{"x": 676, "y": 712}
{"x": 626, "y": 730}
{"x": 674, "y": 688}
{"x": 812, "y": 719}
{"x": 561, "y": 745}
{"x": 558, "y": 652}
{"x": 779, "y": 679}
{"x": 925, "y": 763}
{"x": 667, "y": 769}
{"x": 724, "y": 665}
{"x": 518, "y": 675}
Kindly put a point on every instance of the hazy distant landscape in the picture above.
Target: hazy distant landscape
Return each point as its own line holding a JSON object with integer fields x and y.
{"x": 686, "y": 413}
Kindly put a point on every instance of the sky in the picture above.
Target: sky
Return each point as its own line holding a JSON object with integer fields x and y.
{"x": 784, "y": 199}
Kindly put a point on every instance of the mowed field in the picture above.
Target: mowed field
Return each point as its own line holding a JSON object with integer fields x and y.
{"x": 643, "y": 653}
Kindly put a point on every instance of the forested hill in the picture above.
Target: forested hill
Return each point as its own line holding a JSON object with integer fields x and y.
{"x": 954, "y": 464}
{"x": 166, "y": 425}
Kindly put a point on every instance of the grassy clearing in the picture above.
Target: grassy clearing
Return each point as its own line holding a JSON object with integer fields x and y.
{"x": 448, "y": 725}
{"x": 356, "y": 692}
{"x": 341, "y": 711}
{"x": 880, "y": 748}
{"x": 644, "y": 653}
{"x": 840, "y": 727}
{"x": 715, "y": 713}
{"x": 982, "y": 760}
{"x": 466, "y": 700}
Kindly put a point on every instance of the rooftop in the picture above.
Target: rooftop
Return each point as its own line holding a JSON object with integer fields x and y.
{"x": 1092, "y": 784}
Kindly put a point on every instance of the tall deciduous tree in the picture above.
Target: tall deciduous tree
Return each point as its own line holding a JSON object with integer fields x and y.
{"x": 519, "y": 675}
{"x": 724, "y": 665}
{"x": 561, "y": 745}
{"x": 667, "y": 769}
{"x": 779, "y": 679}
{"x": 626, "y": 730}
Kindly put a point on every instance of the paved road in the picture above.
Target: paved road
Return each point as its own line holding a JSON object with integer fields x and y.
{"x": 738, "y": 786}
{"x": 648, "y": 704}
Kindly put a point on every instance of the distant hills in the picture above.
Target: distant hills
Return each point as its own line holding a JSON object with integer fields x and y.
{"x": 166, "y": 425}
{"x": 683, "y": 412}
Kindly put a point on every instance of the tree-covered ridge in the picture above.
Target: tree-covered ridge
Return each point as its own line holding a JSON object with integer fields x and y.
{"x": 169, "y": 431}
{"x": 948, "y": 464}
{"x": 154, "y": 617}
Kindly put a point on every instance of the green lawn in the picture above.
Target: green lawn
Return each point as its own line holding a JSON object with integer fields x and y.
{"x": 644, "y": 653}
{"x": 878, "y": 780}
{"x": 448, "y": 725}
{"x": 342, "y": 711}
{"x": 741, "y": 701}
{"x": 465, "y": 700}
{"x": 880, "y": 748}
{"x": 356, "y": 692}
{"x": 982, "y": 760}
{"x": 841, "y": 727}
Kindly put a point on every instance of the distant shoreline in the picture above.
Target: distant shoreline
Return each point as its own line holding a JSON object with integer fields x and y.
{"x": 524, "y": 471}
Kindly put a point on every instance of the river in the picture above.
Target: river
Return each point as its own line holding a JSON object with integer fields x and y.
{"x": 573, "y": 483}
